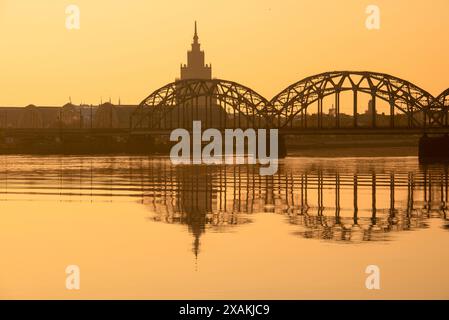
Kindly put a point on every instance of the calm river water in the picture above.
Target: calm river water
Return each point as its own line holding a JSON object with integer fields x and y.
{"x": 139, "y": 227}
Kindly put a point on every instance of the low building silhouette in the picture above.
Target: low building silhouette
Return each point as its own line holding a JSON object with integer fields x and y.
{"x": 69, "y": 116}
{"x": 31, "y": 117}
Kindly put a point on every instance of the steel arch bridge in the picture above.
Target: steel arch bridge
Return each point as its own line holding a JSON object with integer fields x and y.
{"x": 216, "y": 103}
{"x": 225, "y": 104}
{"x": 294, "y": 103}
{"x": 443, "y": 99}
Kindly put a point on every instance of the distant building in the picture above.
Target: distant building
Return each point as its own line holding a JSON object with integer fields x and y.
{"x": 70, "y": 116}
{"x": 67, "y": 116}
{"x": 202, "y": 108}
{"x": 195, "y": 67}
{"x": 370, "y": 110}
{"x": 31, "y": 117}
{"x": 108, "y": 115}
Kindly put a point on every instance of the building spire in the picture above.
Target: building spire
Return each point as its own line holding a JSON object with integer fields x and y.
{"x": 195, "y": 36}
{"x": 195, "y": 67}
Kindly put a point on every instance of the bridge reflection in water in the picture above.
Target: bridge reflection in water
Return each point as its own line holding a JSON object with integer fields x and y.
{"x": 358, "y": 201}
{"x": 345, "y": 200}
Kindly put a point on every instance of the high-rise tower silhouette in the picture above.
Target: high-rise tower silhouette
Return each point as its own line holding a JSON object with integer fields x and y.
{"x": 195, "y": 67}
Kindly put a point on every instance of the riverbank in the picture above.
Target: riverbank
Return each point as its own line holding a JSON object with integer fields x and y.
{"x": 352, "y": 146}
{"x": 307, "y": 146}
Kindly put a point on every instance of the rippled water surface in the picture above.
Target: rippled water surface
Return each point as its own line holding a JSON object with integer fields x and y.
{"x": 139, "y": 227}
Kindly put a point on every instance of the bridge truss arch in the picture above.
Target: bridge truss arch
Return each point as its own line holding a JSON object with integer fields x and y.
{"x": 409, "y": 105}
{"x": 216, "y": 103}
{"x": 443, "y": 99}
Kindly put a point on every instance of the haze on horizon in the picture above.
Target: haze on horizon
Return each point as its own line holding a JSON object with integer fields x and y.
{"x": 129, "y": 49}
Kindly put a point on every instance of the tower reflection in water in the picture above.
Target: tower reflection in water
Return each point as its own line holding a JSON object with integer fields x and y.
{"x": 347, "y": 201}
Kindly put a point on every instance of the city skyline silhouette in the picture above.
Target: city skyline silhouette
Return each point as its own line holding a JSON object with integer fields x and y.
{"x": 195, "y": 68}
{"x": 267, "y": 55}
{"x": 324, "y": 104}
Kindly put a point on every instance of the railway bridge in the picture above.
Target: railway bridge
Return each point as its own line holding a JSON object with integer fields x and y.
{"x": 331, "y": 103}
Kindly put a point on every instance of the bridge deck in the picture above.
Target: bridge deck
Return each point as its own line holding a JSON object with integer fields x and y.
{"x": 309, "y": 131}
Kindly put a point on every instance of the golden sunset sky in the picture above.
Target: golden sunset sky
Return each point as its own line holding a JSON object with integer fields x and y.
{"x": 130, "y": 48}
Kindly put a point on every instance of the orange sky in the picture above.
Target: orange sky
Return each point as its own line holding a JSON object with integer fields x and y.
{"x": 129, "y": 48}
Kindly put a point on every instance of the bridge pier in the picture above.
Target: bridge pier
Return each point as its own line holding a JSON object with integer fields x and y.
{"x": 282, "y": 149}
{"x": 434, "y": 148}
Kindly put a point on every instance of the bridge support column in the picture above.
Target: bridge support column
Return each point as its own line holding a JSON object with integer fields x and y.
{"x": 356, "y": 205}
{"x": 337, "y": 109}
{"x": 446, "y": 118}
{"x": 302, "y": 119}
{"x": 373, "y": 198}
{"x": 425, "y": 119}
{"x": 305, "y": 118}
{"x": 392, "y": 114}
{"x": 320, "y": 112}
{"x": 355, "y": 109}
{"x": 409, "y": 115}
{"x": 434, "y": 148}
{"x": 282, "y": 148}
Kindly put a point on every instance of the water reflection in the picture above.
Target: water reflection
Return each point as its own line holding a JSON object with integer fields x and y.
{"x": 346, "y": 200}
{"x": 354, "y": 202}
{"x": 197, "y": 197}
